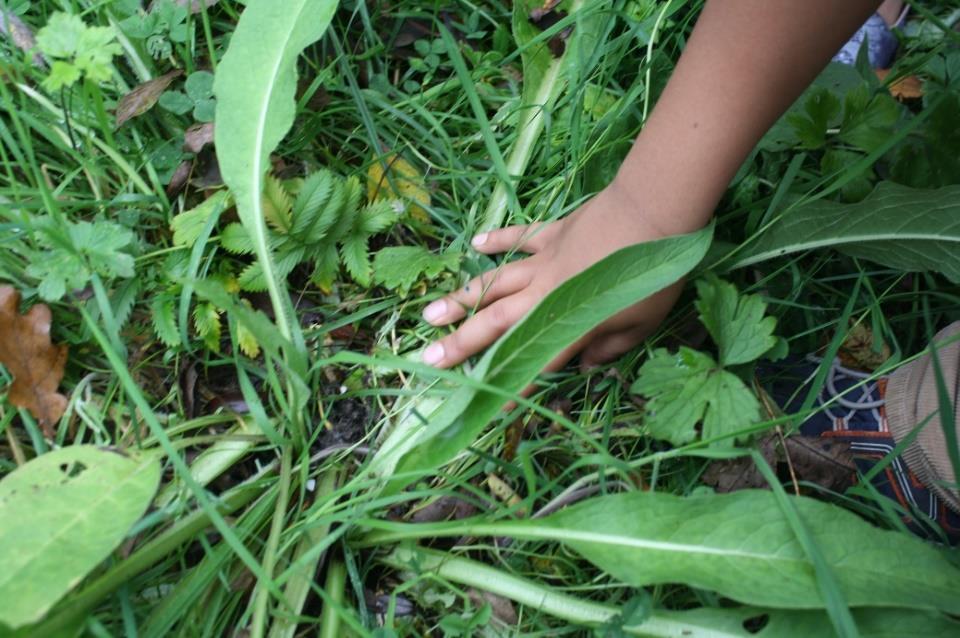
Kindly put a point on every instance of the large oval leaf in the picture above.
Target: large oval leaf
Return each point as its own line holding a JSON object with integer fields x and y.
{"x": 61, "y": 514}
{"x": 896, "y": 226}
{"x": 742, "y": 546}
{"x": 514, "y": 361}
{"x": 255, "y": 87}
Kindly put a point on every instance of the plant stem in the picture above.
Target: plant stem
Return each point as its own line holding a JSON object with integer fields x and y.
{"x": 583, "y": 612}
{"x": 262, "y": 596}
{"x": 335, "y": 585}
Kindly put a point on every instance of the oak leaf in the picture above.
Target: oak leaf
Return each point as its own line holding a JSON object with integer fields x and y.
{"x": 35, "y": 364}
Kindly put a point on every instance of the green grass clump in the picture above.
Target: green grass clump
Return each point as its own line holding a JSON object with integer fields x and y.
{"x": 270, "y": 365}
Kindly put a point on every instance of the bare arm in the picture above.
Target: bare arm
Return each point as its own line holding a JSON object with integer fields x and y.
{"x": 745, "y": 63}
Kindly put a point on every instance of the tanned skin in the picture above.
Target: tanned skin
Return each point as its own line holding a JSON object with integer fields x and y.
{"x": 744, "y": 65}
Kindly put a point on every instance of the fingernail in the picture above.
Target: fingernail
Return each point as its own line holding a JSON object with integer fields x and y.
{"x": 435, "y": 311}
{"x": 433, "y": 354}
{"x": 480, "y": 239}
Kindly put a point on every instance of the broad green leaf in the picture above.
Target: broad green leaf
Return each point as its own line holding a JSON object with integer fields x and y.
{"x": 566, "y": 314}
{"x": 400, "y": 267}
{"x": 896, "y": 226}
{"x": 255, "y": 85}
{"x": 703, "y": 622}
{"x": 61, "y": 515}
{"x": 735, "y": 321}
{"x": 741, "y": 546}
{"x": 686, "y": 388}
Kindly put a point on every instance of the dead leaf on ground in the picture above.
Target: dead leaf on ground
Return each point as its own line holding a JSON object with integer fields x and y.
{"x": 822, "y": 461}
{"x": 400, "y": 179}
{"x": 546, "y": 16}
{"x": 197, "y": 137}
{"x": 445, "y": 508}
{"x": 142, "y": 98}
{"x": 20, "y": 34}
{"x": 35, "y": 364}
{"x": 503, "y": 609}
{"x": 179, "y": 178}
{"x": 909, "y": 87}
{"x": 859, "y": 350}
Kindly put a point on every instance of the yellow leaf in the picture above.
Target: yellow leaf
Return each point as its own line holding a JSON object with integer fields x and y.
{"x": 401, "y": 180}
{"x": 245, "y": 340}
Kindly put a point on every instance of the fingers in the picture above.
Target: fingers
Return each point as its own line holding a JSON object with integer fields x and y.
{"x": 528, "y": 239}
{"x": 610, "y": 346}
{"x": 478, "y": 332}
{"x": 479, "y": 292}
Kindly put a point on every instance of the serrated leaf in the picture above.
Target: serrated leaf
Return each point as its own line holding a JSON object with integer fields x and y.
{"x": 687, "y": 388}
{"x": 188, "y": 226}
{"x": 376, "y": 218}
{"x": 400, "y": 267}
{"x": 252, "y": 278}
{"x": 246, "y": 340}
{"x": 896, "y": 226}
{"x": 325, "y": 268}
{"x": 277, "y": 205}
{"x": 163, "y": 318}
{"x": 319, "y": 205}
{"x": 736, "y": 322}
{"x": 60, "y": 37}
{"x": 236, "y": 240}
{"x": 61, "y": 515}
{"x": 206, "y": 321}
{"x": 356, "y": 259}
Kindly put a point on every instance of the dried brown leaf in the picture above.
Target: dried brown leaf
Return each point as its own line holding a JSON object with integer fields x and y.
{"x": 142, "y": 98}
{"x": 909, "y": 87}
{"x": 859, "y": 350}
{"x": 824, "y": 462}
{"x": 35, "y": 364}
{"x": 197, "y": 137}
{"x": 20, "y": 34}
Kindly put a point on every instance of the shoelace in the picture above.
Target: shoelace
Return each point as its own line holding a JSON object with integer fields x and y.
{"x": 838, "y": 372}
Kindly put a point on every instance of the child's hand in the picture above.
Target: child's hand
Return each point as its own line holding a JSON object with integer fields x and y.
{"x": 558, "y": 250}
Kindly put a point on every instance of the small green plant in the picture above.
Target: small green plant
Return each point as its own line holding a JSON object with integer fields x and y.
{"x": 399, "y": 268}
{"x": 689, "y": 387}
{"x": 77, "y": 51}
{"x": 160, "y": 29}
{"x": 71, "y": 252}
{"x": 316, "y": 220}
{"x": 197, "y": 96}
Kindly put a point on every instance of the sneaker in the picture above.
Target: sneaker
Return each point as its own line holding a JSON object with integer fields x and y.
{"x": 880, "y": 41}
{"x": 851, "y": 409}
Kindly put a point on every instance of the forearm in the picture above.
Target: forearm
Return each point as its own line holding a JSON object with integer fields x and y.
{"x": 745, "y": 63}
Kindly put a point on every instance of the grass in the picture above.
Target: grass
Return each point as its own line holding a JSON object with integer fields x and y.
{"x": 259, "y": 525}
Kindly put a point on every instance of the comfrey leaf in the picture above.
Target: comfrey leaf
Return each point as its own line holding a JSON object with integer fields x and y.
{"x": 688, "y": 387}
{"x": 735, "y": 321}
